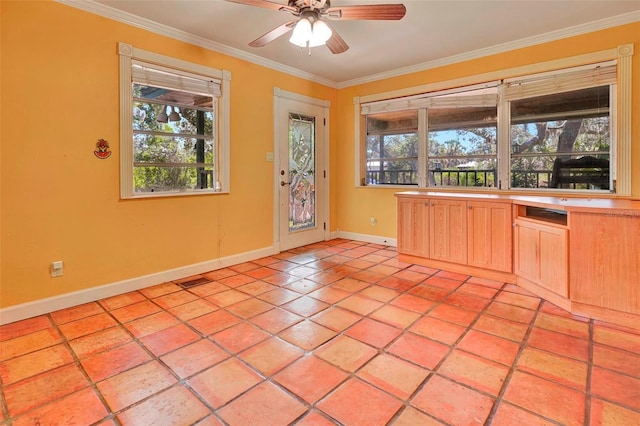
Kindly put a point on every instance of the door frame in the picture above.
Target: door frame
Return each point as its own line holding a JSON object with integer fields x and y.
{"x": 280, "y": 95}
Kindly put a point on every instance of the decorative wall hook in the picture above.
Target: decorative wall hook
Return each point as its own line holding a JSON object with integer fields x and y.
{"x": 102, "y": 149}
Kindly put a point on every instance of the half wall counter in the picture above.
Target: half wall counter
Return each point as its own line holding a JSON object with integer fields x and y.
{"x": 582, "y": 254}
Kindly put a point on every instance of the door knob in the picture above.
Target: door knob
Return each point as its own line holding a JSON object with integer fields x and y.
{"x": 283, "y": 183}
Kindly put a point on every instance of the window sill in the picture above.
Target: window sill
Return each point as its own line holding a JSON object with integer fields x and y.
{"x": 172, "y": 194}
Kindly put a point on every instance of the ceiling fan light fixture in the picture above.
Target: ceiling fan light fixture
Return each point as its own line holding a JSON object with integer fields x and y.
{"x": 302, "y": 33}
{"x": 320, "y": 34}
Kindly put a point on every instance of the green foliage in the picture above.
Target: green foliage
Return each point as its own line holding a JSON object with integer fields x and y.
{"x": 542, "y": 138}
{"x": 161, "y": 151}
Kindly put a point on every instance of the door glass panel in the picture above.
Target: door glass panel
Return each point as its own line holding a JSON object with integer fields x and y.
{"x": 302, "y": 172}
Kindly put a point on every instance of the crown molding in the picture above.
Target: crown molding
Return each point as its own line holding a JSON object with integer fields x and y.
{"x": 589, "y": 27}
{"x": 148, "y": 25}
{"x": 154, "y": 27}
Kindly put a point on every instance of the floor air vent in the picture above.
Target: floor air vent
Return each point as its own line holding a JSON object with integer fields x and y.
{"x": 194, "y": 283}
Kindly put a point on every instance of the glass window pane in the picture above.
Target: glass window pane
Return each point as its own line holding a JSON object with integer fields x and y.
{"x": 392, "y": 148}
{"x": 476, "y": 141}
{"x": 561, "y": 171}
{"x": 468, "y": 171}
{"x": 561, "y": 140}
{"x": 171, "y": 178}
{"x": 302, "y": 172}
{"x": 168, "y": 149}
{"x": 463, "y": 146}
{"x": 401, "y": 172}
{"x": 176, "y": 119}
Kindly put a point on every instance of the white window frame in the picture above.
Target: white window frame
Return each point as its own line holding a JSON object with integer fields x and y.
{"x": 571, "y": 79}
{"x": 128, "y": 54}
{"x": 621, "y": 117}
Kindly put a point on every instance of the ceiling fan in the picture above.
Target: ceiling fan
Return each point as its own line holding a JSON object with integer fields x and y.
{"x": 311, "y": 28}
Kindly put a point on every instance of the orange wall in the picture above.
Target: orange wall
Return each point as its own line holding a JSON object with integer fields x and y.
{"x": 60, "y": 94}
{"x": 356, "y": 205}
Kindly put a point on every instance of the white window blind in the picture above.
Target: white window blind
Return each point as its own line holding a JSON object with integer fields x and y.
{"x": 158, "y": 76}
{"x": 456, "y": 98}
{"x": 562, "y": 81}
{"x": 462, "y": 101}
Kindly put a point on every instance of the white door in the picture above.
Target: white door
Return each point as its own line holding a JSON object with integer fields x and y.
{"x": 301, "y": 183}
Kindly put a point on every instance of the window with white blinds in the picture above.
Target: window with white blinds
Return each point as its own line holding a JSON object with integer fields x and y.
{"x": 166, "y": 78}
{"x": 174, "y": 126}
{"x": 557, "y": 133}
{"x": 560, "y": 81}
{"x": 445, "y": 138}
{"x": 561, "y": 129}
{"x": 470, "y": 96}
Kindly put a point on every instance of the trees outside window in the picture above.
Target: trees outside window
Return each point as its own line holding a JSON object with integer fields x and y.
{"x": 550, "y": 131}
{"x": 173, "y": 143}
{"x": 558, "y": 134}
{"x": 174, "y": 126}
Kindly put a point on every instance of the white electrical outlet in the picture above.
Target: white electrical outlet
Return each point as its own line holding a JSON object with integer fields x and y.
{"x": 373, "y": 221}
{"x": 56, "y": 268}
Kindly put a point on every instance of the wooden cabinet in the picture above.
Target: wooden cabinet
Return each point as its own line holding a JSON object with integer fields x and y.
{"x": 582, "y": 254}
{"x": 489, "y": 235}
{"x": 457, "y": 232}
{"x": 413, "y": 226}
{"x": 605, "y": 260}
{"x": 448, "y": 230}
{"x": 542, "y": 253}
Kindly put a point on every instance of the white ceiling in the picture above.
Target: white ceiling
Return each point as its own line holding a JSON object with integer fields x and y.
{"x": 433, "y": 32}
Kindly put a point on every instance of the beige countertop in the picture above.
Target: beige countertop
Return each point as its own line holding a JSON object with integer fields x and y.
{"x": 576, "y": 204}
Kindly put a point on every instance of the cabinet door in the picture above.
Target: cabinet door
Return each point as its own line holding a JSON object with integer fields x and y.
{"x": 413, "y": 232}
{"x": 489, "y": 238}
{"x": 554, "y": 260}
{"x": 448, "y": 230}
{"x": 605, "y": 260}
{"x": 527, "y": 261}
{"x": 542, "y": 255}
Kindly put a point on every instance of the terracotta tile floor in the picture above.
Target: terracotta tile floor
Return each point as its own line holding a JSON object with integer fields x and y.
{"x": 339, "y": 332}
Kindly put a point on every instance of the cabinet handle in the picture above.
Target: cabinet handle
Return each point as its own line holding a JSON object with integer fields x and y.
{"x": 469, "y": 207}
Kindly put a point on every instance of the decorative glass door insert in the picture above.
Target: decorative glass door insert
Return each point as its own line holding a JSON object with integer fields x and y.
{"x": 302, "y": 172}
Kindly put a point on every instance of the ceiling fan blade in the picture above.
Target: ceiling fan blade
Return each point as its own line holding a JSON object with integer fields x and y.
{"x": 266, "y": 4}
{"x": 387, "y": 12}
{"x": 273, "y": 34}
{"x": 336, "y": 44}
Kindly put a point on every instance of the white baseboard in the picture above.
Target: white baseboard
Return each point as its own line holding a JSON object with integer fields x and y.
{"x": 51, "y": 304}
{"x": 55, "y": 303}
{"x": 365, "y": 238}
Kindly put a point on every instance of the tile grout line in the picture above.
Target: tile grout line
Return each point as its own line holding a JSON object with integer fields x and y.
{"x": 433, "y": 372}
{"x": 269, "y": 379}
{"x": 235, "y": 356}
{"x": 153, "y": 357}
{"x": 311, "y": 408}
{"x": 513, "y": 367}
{"x": 350, "y": 374}
{"x": 3, "y": 402}
{"x": 76, "y": 360}
{"x": 353, "y": 374}
{"x": 138, "y": 342}
{"x": 383, "y": 350}
{"x": 587, "y": 408}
